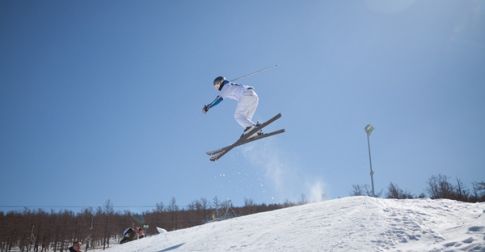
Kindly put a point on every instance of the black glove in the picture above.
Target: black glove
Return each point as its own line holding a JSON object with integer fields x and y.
{"x": 205, "y": 109}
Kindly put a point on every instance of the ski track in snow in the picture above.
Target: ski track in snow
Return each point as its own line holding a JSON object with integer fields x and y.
{"x": 346, "y": 224}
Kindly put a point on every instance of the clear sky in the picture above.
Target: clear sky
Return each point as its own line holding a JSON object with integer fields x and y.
{"x": 102, "y": 99}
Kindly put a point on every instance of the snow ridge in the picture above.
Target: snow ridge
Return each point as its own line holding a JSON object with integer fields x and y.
{"x": 346, "y": 224}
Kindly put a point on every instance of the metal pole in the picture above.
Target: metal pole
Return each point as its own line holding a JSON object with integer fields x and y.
{"x": 368, "y": 129}
{"x": 370, "y": 162}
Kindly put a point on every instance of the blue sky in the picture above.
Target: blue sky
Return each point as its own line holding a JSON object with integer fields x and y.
{"x": 102, "y": 100}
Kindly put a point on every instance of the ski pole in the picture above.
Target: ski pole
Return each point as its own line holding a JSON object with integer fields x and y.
{"x": 255, "y": 72}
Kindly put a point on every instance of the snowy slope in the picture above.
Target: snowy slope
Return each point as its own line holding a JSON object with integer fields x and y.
{"x": 347, "y": 224}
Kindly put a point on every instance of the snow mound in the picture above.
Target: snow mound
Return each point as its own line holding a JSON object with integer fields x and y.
{"x": 161, "y": 230}
{"x": 347, "y": 224}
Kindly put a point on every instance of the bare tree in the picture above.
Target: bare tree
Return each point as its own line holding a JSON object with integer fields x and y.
{"x": 439, "y": 187}
{"x": 108, "y": 213}
{"x": 461, "y": 192}
{"x": 173, "y": 209}
{"x": 479, "y": 191}
{"x": 394, "y": 192}
{"x": 361, "y": 190}
{"x": 160, "y": 207}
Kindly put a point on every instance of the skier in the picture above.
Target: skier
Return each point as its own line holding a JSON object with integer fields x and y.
{"x": 129, "y": 234}
{"x": 76, "y": 247}
{"x": 246, "y": 97}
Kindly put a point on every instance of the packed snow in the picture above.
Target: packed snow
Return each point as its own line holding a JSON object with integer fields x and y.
{"x": 346, "y": 224}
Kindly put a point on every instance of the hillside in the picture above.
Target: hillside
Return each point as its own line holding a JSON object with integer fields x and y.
{"x": 347, "y": 224}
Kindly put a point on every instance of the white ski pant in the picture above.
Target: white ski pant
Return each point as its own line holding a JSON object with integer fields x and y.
{"x": 246, "y": 107}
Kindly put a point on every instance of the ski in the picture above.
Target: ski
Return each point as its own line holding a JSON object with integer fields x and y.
{"x": 221, "y": 152}
{"x": 248, "y": 140}
{"x": 251, "y": 132}
{"x": 215, "y": 155}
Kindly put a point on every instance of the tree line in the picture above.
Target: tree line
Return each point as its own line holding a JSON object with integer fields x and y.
{"x": 39, "y": 230}
{"x": 438, "y": 187}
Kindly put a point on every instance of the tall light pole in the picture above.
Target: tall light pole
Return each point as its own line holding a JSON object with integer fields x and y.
{"x": 368, "y": 129}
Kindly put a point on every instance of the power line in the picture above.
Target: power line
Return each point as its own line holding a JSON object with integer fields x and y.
{"x": 73, "y": 206}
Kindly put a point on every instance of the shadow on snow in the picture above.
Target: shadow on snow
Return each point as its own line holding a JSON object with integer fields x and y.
{"x": 172, "y": 248}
